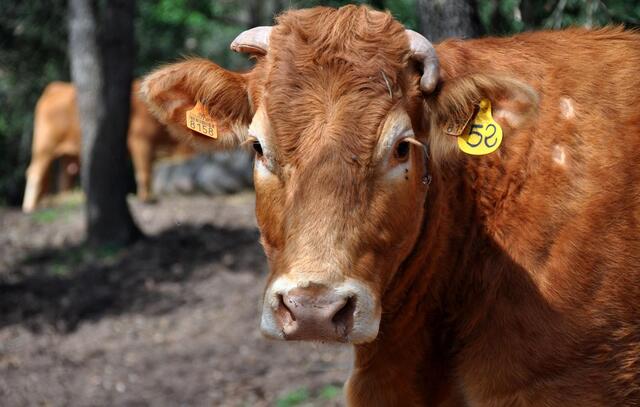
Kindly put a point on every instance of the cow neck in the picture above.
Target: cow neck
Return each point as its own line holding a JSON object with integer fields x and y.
{"x": 442, "y": 279}
{"x": 415, "y": 332}
{"x": 487, "y": 296}
{"x": 420, "y": 282}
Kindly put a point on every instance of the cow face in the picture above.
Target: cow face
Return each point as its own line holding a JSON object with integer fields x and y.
{"x": 337, "y": 217}
{"x": 334, "y": 111}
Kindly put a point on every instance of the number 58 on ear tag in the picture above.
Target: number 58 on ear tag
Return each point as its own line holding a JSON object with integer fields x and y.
{"x": 484, "y": 135}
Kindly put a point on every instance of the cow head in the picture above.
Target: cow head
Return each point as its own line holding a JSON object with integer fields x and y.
{"x": 337, "y": 110}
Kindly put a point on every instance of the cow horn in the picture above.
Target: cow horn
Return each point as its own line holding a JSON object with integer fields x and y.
{"x": 253, "y": 41}
{"x": 422, "y": 50}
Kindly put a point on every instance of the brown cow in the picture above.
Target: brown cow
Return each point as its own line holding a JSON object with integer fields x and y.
{"x": 57, "y": 135}
{"x": 505, "y": 279}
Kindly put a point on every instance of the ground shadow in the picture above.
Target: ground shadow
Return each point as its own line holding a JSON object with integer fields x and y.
{"x": 62, "y": 287}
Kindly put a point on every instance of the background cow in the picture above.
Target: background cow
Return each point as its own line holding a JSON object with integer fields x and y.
{"x": 504, "y": 279}
{"x": 57, "y": 136}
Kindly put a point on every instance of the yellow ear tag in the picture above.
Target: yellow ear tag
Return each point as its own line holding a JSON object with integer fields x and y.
{"x": 198, "y": 120}
{"x": 484, "y": 135}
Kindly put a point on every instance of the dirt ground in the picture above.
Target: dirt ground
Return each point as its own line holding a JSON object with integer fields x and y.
{"x": 170, "y": 321}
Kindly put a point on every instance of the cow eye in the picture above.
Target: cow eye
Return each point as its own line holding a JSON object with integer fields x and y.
{"x": 402, "y": 150}
{"x": 257, "y": 147}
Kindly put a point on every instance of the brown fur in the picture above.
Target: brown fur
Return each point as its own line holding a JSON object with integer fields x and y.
{"x": 513, "y": 279}
{"x": 57, "y": 134}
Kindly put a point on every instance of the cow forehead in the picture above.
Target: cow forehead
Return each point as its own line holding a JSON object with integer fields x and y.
{"x": 331, "y": 77}
{"x": 351, "y": 34}
{"x": 310, "y": 119}
{"x": 330, "y": 114}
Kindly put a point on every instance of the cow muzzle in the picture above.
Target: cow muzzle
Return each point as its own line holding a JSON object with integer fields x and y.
{"x": 345, "y": 312}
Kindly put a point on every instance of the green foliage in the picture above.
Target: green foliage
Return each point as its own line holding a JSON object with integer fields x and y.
{"x": 48, "y": 215}
{"x": 293, "y": 398}
{"x": 330, "y": 392}
{"x": 32, "y": 54}
{"x": 60, "y": 211}
{"x": 512, "y": 16}
{"x": 404, "y": 11}
{"x": 304, "y": 397}
{"x": 167, "y": 30}
{"x": 65, "y": 263}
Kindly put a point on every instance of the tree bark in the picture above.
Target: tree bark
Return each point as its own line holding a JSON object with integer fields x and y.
{"x": 440, "y": 19}
{"x": 101, "y": 54}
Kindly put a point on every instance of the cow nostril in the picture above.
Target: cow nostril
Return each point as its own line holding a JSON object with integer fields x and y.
{"x": 284, "y": 311}
{"x": 343, "y": 318}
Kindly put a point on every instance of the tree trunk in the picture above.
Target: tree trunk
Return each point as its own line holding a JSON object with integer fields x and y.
{"x": 101, "y": 67}
{"x": 440, "y": 19}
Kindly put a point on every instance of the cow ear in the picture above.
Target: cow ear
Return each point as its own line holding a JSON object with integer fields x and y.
{"x": 215, "y": 99}
{"x": 453, "y": 106}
